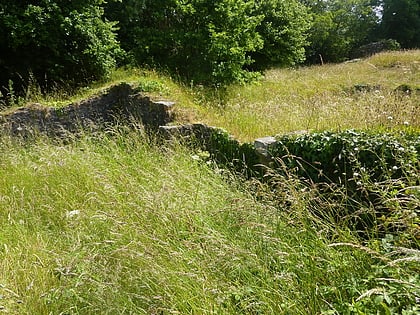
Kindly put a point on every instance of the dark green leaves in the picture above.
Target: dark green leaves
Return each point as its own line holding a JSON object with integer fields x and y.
{"x": 211, "y": 42}
{"x": 335, "y": 157}
{"x": 53, "y": 42}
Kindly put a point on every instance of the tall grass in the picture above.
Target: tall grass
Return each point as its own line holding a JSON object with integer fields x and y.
{"x": 324, "y": 97}
{"x": 116, "y": 225}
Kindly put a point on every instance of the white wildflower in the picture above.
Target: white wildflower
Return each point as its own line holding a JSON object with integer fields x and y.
{"x": 73, "y": 213}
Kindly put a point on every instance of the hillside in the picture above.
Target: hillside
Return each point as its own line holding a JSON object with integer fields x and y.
{"x": 363, "y": 94}
{"x": 117, "y": 223}
{"x": 380, "y": 92}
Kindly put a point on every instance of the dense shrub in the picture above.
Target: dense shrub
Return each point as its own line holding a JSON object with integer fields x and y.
{"x": 284, "y": 32}
{"x": 225, "y": 150}
{"x": 368, "y": 182}
{"x": 342, "y": 157}
{"x": 54, "y": 42}
{"x": 211, "y": 41}
{"x": 201, "y": 40}
{"x": 374, "y": 177}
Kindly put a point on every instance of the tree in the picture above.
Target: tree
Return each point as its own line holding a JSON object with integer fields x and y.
{"x": 201, "y": 40}
{"x": 211, "y": 41}
{"x": 401, "y": 21}
{"x": 284, "y": 30}
{"x": 339, "y": 27}
{"x": 54, "y": 42}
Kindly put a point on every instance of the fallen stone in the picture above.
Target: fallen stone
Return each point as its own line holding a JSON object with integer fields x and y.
{"x": 263, "y": 146}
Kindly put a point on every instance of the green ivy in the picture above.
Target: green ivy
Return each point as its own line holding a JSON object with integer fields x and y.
{"x": 227, "y": 151}
{"x": 374, "y": 177}
{"x": 338, "y": 157}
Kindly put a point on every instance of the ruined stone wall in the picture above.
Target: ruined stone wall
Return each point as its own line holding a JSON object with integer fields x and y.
{"x": 118, "y": 103}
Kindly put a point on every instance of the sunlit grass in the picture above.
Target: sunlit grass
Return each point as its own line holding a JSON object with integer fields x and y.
{"x": 325, "y": 97}
{"x": 284, "y": 100}
{"x": 117, "y": 224}
{"x": 114, "y": 225}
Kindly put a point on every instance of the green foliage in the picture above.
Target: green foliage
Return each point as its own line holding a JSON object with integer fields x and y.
{"x": 339, "y": 27}
{"x": 232, "y": 35}
{"x": 335, "y": 157}
{"x": 239, "y": 157}
{"x": 108, "y": 224}
{"x": 372, "y": 178}
{"x": 283, "y": 30}
{"x": 55, "y": 42}
{"x": 401, "y": 21}
{"x": 148, "y": 85}
{"x": 380, "y": 292}
{"x": 211, "y": 42}
{"x": 377, "y": 174}
{"x": 200, "y": 40}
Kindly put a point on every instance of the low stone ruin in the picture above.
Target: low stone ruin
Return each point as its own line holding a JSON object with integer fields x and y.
{"x": 115, "y": 105}
{"x": 123, "y": 104}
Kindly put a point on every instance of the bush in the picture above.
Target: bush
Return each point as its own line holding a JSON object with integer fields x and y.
{"x": 211, "y": 42}
{"x": 374, "y": 177}
{"x": 337, "y": 157}
{"x": 54, "y": 42}
{"x": 284, "y": 32}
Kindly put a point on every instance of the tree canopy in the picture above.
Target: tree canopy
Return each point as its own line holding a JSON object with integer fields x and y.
{"x": 54, "y": 42}
{"x": 211, "y": 42}
{"x": 339, "y": 27}
{"x": 401, "y": 21}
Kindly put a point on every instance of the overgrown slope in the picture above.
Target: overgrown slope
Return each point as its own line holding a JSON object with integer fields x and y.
{"x": 380, "y": 92}
{"x": 117, "y": 226}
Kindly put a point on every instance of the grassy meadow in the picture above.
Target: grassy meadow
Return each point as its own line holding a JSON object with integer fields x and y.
{"x": 118, "y": 224}
{"x": 324, "y": 98}
{"x": 354, "y": 95}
